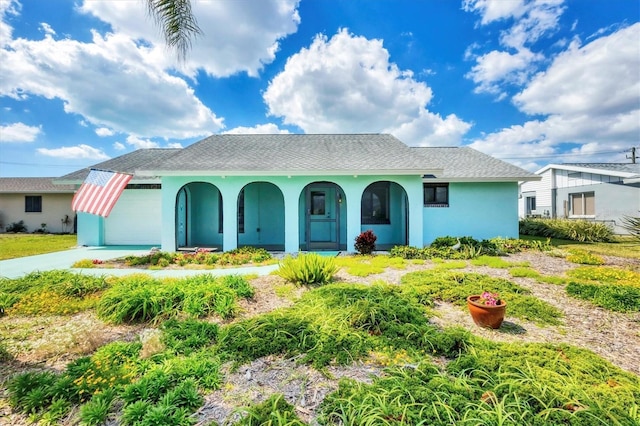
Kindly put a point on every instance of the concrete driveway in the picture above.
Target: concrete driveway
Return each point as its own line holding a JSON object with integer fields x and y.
{"x": 14, "y": 268}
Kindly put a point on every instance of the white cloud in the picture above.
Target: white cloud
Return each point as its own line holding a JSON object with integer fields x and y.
{"x": 19, "y": 132}
{"x": 347, "y": 84}
{"x": 75, "y": 152}
{"x": 515, "y": 62}
{"x": 110, "y": 82}
{"x": 598, "y": 78}
{"x": 495, "y": 67}
{"x": 492, "y": 10}
{"x": 237, "y": 37}
{"x": 138, "y": 143}
{"x": 47, "y": 29}
{"x": 174, "y": 145}
{"x": 104, "y": 132}
{"x": 588, "y": 96}
{"x": 7, "y": 8}
{"x": 119, "y": 146}
{"x": 264, "y": 129}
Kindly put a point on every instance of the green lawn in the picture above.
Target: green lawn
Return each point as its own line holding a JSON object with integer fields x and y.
{"x": 621, "y": 247}
{"x": 20, "y": 245}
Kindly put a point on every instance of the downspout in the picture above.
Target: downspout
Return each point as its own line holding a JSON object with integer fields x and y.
{"x": 554, "y": 194}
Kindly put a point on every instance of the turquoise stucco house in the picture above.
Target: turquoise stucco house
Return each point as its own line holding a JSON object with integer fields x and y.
{"x": 297, "y": 192}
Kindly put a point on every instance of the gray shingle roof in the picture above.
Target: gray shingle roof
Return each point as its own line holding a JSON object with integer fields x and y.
{"x": 14, "y": 185}
{"x": 294, "y": 154}
{"x": 464, "y": 163}
{"x": 299, "y": 154}
{"x": 127, "y": 163}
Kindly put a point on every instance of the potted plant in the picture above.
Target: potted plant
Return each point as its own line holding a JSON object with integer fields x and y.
{"x": 487, "y": 309}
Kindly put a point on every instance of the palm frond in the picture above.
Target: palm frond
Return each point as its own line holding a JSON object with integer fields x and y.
{"x": 177, "y": 23}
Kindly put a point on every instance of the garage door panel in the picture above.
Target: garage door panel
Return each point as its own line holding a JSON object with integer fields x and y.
{"x": 135, "y": 219}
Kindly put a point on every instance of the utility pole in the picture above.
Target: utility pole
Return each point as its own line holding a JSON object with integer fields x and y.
{"x": 633, "y": 155}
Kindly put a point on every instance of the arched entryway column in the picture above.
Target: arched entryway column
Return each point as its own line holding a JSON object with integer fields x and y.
{"x": 198, "y": 216}
{"x": 322, "y": 217}
{"x": 261, "y": 216}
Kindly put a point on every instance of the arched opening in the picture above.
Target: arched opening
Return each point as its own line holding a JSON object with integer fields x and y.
{"x": 323, "y": 218}
{"x": 384, "y": 210}
{"x": 261, "y": 216}
{"x": 199, "y": 217}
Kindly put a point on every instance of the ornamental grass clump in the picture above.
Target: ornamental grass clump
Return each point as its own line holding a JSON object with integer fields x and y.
{"x": 50, "y": 292}
{"x": 307, "y": 269}
{"x": 567, "y": 229}
{"x": 141, "y": 298}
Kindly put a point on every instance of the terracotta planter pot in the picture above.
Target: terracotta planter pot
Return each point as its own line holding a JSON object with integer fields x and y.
{"x": 486, "y": 316}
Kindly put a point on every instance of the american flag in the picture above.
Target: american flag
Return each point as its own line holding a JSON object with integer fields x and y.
{"x": 99, "y": 192}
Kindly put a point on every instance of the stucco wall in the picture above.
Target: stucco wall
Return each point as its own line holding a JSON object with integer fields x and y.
{"x": 481, "y": 210}
{"x": 291, "y": 187}
{"x": 612, "y": 201}
{"x": 54, "y": 208}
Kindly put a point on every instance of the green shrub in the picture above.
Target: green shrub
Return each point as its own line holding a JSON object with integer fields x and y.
{"x": 273, "y": 411}
{"x": 50, "y": 292}
{"x": 83, "y": 263}
{"x": 618, "y": 298}
{"x": 470, "y": 248}
{"x": 307, "y": 269}
{"x": 95, "y": 411}
{"x": 584, "y": 258}
{"x": 493, "y": 383}
{"x": 186, "y": 336}
{"x": 567, "y": 229}
{"x": 32, "y": 391}
{"x": 605, "y": 274}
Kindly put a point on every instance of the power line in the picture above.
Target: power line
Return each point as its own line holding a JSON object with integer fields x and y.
{"x": 39, "y": 164}
{"x": 557, "y": 154}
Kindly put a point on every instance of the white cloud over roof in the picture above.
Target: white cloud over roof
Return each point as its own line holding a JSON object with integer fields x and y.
{"x": 346, "y": 83}
{"x": 587, "y": 96}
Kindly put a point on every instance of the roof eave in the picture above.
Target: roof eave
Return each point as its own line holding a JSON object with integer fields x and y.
{"x": 595, "y": 170}
{"x": 483, "y": 179}
{"x": 387, "y": 172}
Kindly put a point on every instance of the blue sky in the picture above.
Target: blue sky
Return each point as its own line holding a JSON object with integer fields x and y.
{"x": 530, "y": 82}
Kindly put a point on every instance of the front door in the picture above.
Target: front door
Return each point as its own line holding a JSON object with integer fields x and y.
{"x": 322, "y": 217}
{"x": 181, "y": 219}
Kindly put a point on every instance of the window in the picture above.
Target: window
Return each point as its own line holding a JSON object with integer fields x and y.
{"x": 33, "y": 204}
{"x": 375, "y": 204}
{"x": 436, "y": 194}
{"x": 583, "y": 204}
{"x": 318, "y": 203}
{"x": 575, "y": 175}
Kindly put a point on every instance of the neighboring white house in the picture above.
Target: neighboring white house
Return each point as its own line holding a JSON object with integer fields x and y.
{"x": 602, "y": 192}
{"x": 36, "y": 201}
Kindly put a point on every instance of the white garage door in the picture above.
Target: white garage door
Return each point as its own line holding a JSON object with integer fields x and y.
{"x": 135, "y": 219}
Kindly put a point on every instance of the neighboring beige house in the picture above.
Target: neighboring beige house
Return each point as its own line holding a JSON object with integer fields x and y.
{"x": 36, "y": 201}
